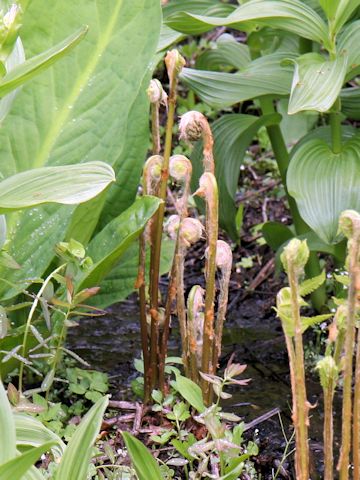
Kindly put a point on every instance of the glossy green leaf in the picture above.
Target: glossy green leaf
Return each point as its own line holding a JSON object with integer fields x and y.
{"x": 111, "y": 243}
{"x": 17, "y": 467}
{"x": 317, "y": 82}
{"x": 144, "y": 463}
{"x": 31, "y": 432}
{"x": 8, "y": 439}
{"x": 290, "y": 15}
{"x": 233, "y": 134}
{"x": 72, "y": 184}
{"x": 263, "y": 76}
{"x": 348, "y": 44}
{"x": 325, "y": 184}
{"x": 226, "y": 53}
{"x": 90, "y": 106}
{"x": 27, "y": 70}
{"x": 350, "y": 102}
{"x": 75, "y": 461}
{"x": 190, "y": 391}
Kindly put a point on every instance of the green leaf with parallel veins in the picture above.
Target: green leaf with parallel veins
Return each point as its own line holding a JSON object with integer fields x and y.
{"x": 317, "y": 82}
{"x": 338, "y": 12}
{"x": 144, "y": 463}
{"x": 27, "y": 70}
{"x": 111, "y": 243}
{"x": 69, "y": 185}
{"x": 324, "y": 184}
{"x": 226, "y": 53}
{"x": 75, "y": 461}
{"x": 291, "y": 15}
{"x": 90, "y": 106}
{"x": 232, "y": 134}
{"x": 7, "y": 427}
{"x": 263, "y": 76}
{"x": 348, "y": 44}
{"x": 18, "y": 468}
{"x": 350, "y": 102}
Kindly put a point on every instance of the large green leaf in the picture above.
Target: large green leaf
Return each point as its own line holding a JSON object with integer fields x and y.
{"x": 350, "y": 102}
{"x": 317, "y": 82}
{"x": 263, "y": 76}
{"x": 227, "y": 53}
{"x": 16, "y": 57}
{"x": 143, "y": 462}
{"x": 27, "y": 70}
{"x": 291, "y": 15}
{"x": 111, "y": 243}
{"x": 7, "y": 428}
{"x": 68, "y": 185}
{"x": 324, "y": 184}
{"x": 90, "y": 106}
{"x": 294, "y": 127}
{"x": 338, "y": 11}
{"x": 75, "y": 461}
{"x": 19, "y": 466}
{"x": 348, "y": 44}
{"x": 232, "y": 134}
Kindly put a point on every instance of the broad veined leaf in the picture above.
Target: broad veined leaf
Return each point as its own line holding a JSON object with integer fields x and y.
{"x": 168, "y": 36}
{"x": 19, "y": 466}
{"x": 269, "y": 40}
{"x": 232, "y": 134}
{"x": 192, "y": 6}
{"x": 348, "y": 44}
{"x": 291, "y": 15}
{"x": 190, "y": 391}
{"x": 350, "y": 102}
{"x": 90, "y": 106}
{"x": 338, "y": 11}
{"x": 72, "y": 184}
{"x": 16, "y": 57}
{"x": 121, "y": 280}
{"x": 110, "y": 244}
{"x": 31, "y": 432}
{"x": 7, "y": 424}
{"x": 28, "y": 69}
{"x": 75, "y": 461}
{"x": 324, "y": 184}
{"x": 226, "y": 53}
{"x": 317, "y": 82}
{"x": 144, "y": 463}
{"x": 263, "y": 76}
{"x": 294, "y": 127}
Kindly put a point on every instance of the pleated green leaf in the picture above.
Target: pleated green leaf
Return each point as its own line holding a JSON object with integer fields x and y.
{"x": 263, "y": 76}
{"x": 348, "y": 44}
{"x": 350, "y": 102}
{"x": 317, "y": 82}
{"x": 31, "y": 432}
{"x": 27, "y": 70}
{"x": 17, "y": 468}
{"x": 338, "y": 11}
{"x": 290, "y": 15}
{"x": 143, "y": 462}
{"x": 111, "y": 243}
{"x": 325, "y": 184}
{"x": 232, "y": 135}
{"x": 67, "y": 185}
{"x": 226, "y": 53}
{"x": 76, "y": 459}
{"x": 7, "y": 428}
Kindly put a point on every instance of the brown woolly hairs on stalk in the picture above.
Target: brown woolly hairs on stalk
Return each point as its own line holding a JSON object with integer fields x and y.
{"x": 193, "y": 126}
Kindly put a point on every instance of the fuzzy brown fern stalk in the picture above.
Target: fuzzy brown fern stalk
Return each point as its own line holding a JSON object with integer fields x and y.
{"x": 350, "y": 226}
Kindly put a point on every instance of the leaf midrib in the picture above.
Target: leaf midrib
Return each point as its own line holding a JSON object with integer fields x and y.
{"x": 64, "y": 113}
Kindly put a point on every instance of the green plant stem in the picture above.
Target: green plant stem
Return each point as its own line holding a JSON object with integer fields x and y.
{"x": 302, "y": 447}
{"x": 335, "y": 125}
{"x": 158, "y": 229}
{"x": 29, "y": 320}
{"x": 312, "y": 269}
{"x": 344, "y": 460}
